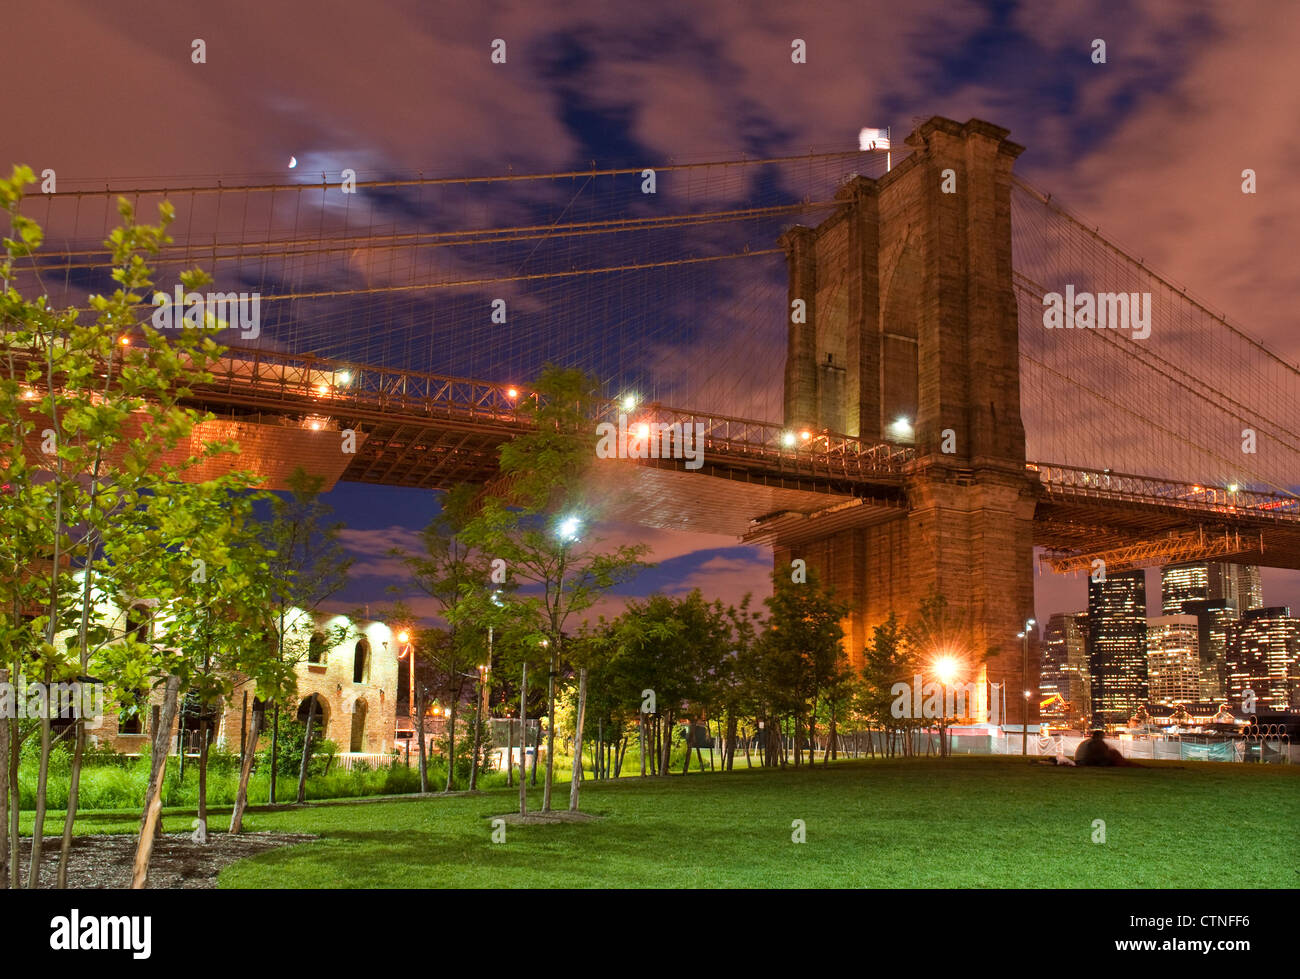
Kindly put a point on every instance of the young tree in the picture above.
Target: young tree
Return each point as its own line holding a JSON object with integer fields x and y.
{"x": 802, "y": 650}
{"x": 451, "y": 572}
{"x": 102, "y": 400}
{"x": 535, "y": 524}
{"x": 307, "y": 567}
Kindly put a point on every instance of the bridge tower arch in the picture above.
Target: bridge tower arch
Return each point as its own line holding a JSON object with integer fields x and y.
{"x": 910, "y": 334}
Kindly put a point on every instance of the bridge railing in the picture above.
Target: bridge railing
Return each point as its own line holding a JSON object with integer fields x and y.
{"x": 766, "y": 442}
{"x": 327, "y": 384}
{"x": 319, "y": 387}
{"x": 1228, "y": 500}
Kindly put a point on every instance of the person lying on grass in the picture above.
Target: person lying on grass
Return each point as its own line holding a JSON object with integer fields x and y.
{"x": 1095, "y": 751}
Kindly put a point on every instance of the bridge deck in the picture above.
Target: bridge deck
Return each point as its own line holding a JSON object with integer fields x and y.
{"x": 765, "y": 483}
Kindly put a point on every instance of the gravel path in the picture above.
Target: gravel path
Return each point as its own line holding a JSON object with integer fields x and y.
{"x": 177, "y": 861}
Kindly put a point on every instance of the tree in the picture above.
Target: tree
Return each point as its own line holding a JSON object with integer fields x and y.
{"x": 887, "y": 659}
{"x": 103, "y": 399}
{"x": 801, "y": 652}
{"x": 533, "y": 522}
{"x": 308, "y": 565}
{"x": 665, "y": 653}
{"x": 451, "y": 572}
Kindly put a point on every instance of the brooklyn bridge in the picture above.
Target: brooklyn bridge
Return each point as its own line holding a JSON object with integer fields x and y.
{"x": 865, "y": 350}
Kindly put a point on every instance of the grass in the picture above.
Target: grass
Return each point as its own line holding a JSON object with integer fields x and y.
{"x": 962, "y": 822}
{"x": 122, "y": 786}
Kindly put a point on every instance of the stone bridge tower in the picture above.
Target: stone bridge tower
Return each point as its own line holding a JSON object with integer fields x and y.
{"x": 910, "y": 335}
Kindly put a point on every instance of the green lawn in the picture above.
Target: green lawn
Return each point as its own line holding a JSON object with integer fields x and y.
{"x": 964, "y": 822}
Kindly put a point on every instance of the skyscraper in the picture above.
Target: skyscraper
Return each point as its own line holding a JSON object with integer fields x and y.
{"x": 1215, "y": 617}
{"x": 1117, "y": 645}
{"x": 1173, "y": 663}
{"x": 1181, "y": 583}
{"x": 1065, "y": 664}
{"x": 1250, "y": 590}
{"x": 1238, "y": 584}
{"x": 1264, "y": 657}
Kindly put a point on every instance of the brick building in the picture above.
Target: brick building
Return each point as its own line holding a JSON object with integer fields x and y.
{"x": 354, "y": 683}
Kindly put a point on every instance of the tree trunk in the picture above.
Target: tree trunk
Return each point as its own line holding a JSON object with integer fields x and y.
{"x": 832, "y": 751}
{"x": 419, "y": 735}
{"x": 537, "y": 750}
{"x": 4, "y": 795}
{"x": 42, "y": 785}
{"x": 478, "y": 729}
{"x": 812, "y": 735}
{"x": 243, "y": 727}
{"x": 241, "y": 799}
{"x": 205, "y": 739}
{"x": 576, "y": 783}
{"x": 180, "y": 744}
{"x": 523, "y": 743}
{"x": 550, "y": 732}
{"x": 306, "y": 752}
{"x": 150, "y": 821}
{"x": 451, "y": 746}
{"x": 275, "y": 748}
{"x": 510, "y": 752}
{"x": 74, "y": 786}
{"x": 640, "y": 737}
{"x": 15, "y": 745}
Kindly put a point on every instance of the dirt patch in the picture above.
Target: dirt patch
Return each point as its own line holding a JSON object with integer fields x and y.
{"x": 546, "y": 818}
{"x": 106, "y": 861}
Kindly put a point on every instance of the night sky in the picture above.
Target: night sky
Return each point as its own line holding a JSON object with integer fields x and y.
{"x": 1149, "y": 146}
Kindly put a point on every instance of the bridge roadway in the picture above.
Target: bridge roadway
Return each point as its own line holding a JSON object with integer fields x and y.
{"x": 759, "y": 481}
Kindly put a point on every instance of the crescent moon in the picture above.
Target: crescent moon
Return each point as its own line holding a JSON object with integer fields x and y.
{"x": 293, "y": 162}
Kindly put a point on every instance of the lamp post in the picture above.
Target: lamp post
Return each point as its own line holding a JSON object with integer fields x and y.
{"x": 1024, "y": 686}
{"x": 945, "y": 668}
{"x": 567, "y": 532}
{"x": 481, "y": 696}
{"x": 478, "y": 721}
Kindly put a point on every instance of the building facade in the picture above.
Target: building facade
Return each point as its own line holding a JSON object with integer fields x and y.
{"x": 1065, "y": 684}
{"x": 1264, "y": 658}
{"x": 1215, "y": 618}
{"x": 353, "y": 683}
{"x": 1117, "y": 646}
{"x": 1237, "y": 584}
{"x": 1173, "y": 659}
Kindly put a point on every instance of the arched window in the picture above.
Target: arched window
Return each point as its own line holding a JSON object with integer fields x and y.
{"x": 361, "y": 662}
{"x": 316, "y": 648}
{"x": 131, "y": 718}
{"x": 305, "y": 708}
{"x": 137, "y": 623}
{"x": 358, "y": 742}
